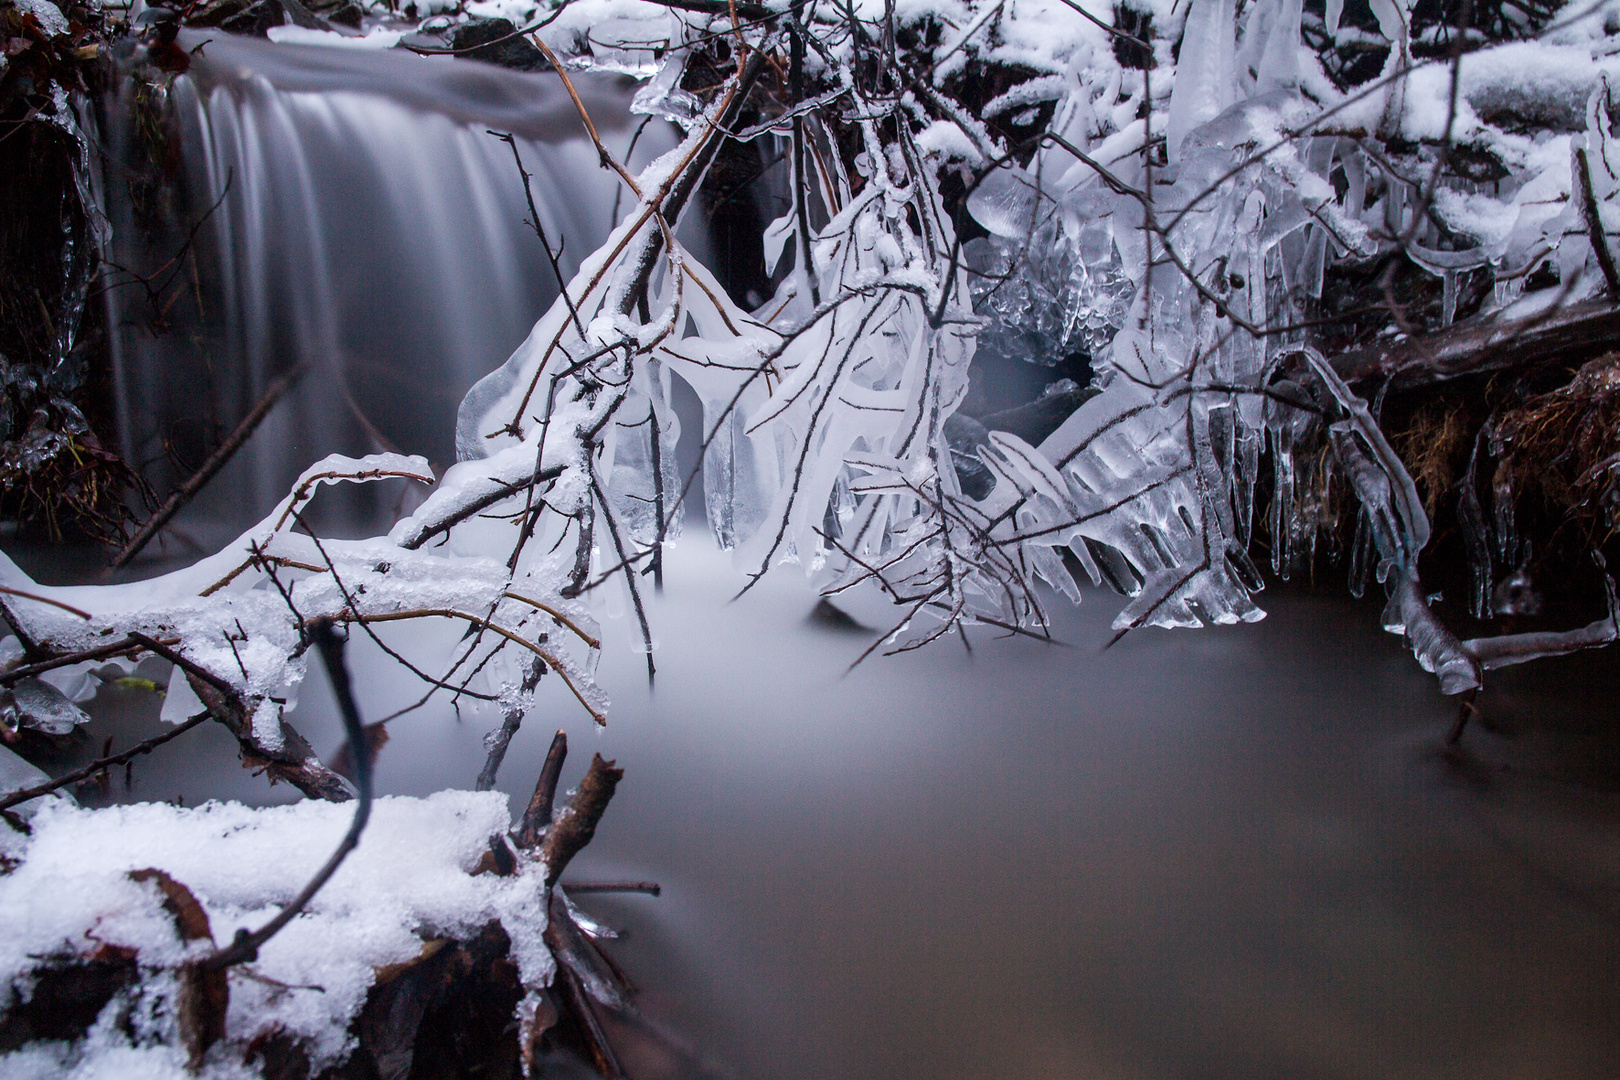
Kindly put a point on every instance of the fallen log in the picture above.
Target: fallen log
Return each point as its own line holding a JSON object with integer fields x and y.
{"x": 1566, "y": 335}
{"x": 504, "y": 981}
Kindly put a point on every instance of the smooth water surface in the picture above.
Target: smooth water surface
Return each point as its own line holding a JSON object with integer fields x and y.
{"x": 1228, "y": 853}
{"x": 1198, "y": 855}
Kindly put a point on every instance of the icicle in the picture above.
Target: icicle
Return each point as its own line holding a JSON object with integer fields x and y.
{"x": 1361, "y": 556}
{"x": 1245, "y": 474}
{"x": 1282, "y": 501}
{"x": 1471, "y": 516}
{"x": 1116, "y": 569}
{"x": 1205, "y": 76}
{"x": 1507, "y": 534}
{"x": 1279, "y": 63}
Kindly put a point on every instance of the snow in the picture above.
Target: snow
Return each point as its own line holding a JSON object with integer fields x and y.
{"x": 406, "y": 883}
{"x": 376, "y": 38}
{"x": 107, "y": 1055}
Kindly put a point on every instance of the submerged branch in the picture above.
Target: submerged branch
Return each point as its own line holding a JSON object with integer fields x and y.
{"x": 537, "y": 815}
{"x": 573, "y": 828}
{"x": 17, "y": 797}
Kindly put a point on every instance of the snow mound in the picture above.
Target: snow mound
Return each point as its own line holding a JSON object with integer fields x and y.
{"x": 70, "y": 895}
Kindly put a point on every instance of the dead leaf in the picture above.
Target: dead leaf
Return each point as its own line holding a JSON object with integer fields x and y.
{"x": 205, "y": 998}
{"x": 189, "y": 917}
{"x": 342, "y": 762}
{"x": 389, "y": 972}
{"x": 497, "y": 859}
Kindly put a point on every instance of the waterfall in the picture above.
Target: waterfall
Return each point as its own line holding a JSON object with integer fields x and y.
{"x": 344, "y": 209}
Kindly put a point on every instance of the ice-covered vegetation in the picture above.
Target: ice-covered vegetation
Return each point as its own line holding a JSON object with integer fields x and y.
{"x": 1238, "y": 212}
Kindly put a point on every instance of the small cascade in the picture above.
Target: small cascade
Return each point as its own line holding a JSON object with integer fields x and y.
{"x": 345, "y": 210}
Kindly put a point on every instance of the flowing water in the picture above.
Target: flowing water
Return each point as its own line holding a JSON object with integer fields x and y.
{"x": 349, "y": 211}
{"x": 1230, "y": 853}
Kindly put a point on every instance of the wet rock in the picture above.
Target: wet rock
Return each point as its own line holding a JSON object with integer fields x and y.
{"x": 255, "y": 18}
{"x": 491, "y": 41}
{"x": 341, "y": 12}
{"x": 348, "y": 15}
{"x": 215, "y": 14}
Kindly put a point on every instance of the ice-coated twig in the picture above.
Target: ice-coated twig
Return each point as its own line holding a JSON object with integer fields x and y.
{"x": 511, "y": 720}
{"x": 293, "y": 760}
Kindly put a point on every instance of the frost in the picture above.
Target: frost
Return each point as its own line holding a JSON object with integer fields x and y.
{"x": 51, "y": 19}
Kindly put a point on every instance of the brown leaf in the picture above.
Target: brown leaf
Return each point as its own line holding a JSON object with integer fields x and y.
{"x": 114, "y": 953}
{"x": 205, "y": 998}
{"x": 205, "y": 990}
{"x": 189, "y": 917}
{"x": 545, "y": 1018}
{"x": 342, "y": 762}
{"x": 389, "y": 972}
{"x": 497, "y": 859}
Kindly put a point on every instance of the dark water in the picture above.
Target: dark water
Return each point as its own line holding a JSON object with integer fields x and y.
{"x": 1229, "y": 853}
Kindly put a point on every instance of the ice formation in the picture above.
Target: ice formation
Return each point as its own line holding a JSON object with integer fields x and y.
{"x": 1174, "y": 219}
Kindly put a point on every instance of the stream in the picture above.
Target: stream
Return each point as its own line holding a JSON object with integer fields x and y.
{"x": 1235, "y": 852}
{"x": 1232, "y": 853}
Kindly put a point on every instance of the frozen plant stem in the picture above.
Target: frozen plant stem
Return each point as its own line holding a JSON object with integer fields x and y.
{"x": 511, "y": 720}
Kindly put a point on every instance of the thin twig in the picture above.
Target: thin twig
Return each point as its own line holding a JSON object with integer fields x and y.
{"x": 103, "y": 652}
{"x": 608, "y": 160}
{"x": 651, "y": 888}
{"x": 216, "y": 461}
{"x": 555, "y": 614}
{"x": 98, "y": 765}
{"x": 517, "y": 639}
{"x": 245, "y": 946}
{"x": 629, "y": 578}
{"x": 70, "y": 609}
{"x": 540, "y": 230}
{"x": 1594, "y": 223}
{"x": 353, "y": 605}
